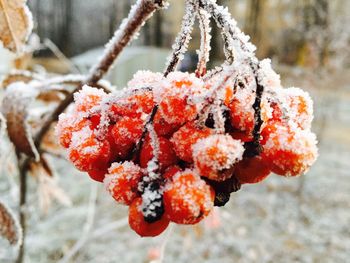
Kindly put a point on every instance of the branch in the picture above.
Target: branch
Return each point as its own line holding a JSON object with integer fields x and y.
{"x": 183, "y": 38}
{"x": 204, "y": 52}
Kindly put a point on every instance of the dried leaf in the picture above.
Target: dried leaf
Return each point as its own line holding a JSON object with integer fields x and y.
{"x": 48, "y": 188}
{"x": 50, "y": 144}
{"x": 17, "y": 76}
{"x": 17, "y": 99}
{"x": 15, "y": 24}
{"x": 50, "y": 96}
{"x": 9, "y": 226}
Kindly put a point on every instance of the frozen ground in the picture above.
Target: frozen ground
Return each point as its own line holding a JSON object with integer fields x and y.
{"x": 302, "y": 219}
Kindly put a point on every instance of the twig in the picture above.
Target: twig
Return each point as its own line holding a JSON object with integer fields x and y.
{"x": 58, "y": 53}
{"x": 204, "y": 52}
{"x": 23, "y": 168}
{"x": 110, "y": 227}
{"x": 183, "y": 38}
{"x": 165, "y": 242}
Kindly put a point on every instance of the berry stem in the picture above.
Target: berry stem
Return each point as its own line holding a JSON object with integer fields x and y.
{"x": 203, "y": 53}
{"x": 183, "y": 38}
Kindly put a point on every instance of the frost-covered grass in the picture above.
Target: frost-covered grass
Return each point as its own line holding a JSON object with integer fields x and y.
{"x": 303, "y": 219}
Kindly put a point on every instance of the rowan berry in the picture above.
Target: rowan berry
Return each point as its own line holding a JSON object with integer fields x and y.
{"x": 166, "y": 153}
{"x": 122, "y": 181}
{"x": 87, "y": 98}
{"x": 300, "y": 107}
{"x": 170, "y": 172}
{"x": 177, "y": 97}
{"x": 140, "y": 226}
{"x": 98, "y": 176}
{"x": 87, "y": 153}
{"x": 290, "y": 151}
{"x": 126, "y": 133}
{"x": 187, "y": 198}
{"x": 216, "y": 154}
{"x": 252, "y": 170}
{"x": 67, "y": 125}
{"x": 186, "y": 137}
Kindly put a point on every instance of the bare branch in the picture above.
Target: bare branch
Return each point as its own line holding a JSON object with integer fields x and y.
{"x": 183, "y": 38}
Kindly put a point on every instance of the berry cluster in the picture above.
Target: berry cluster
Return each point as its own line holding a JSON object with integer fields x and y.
{"x": 173, "y": 147}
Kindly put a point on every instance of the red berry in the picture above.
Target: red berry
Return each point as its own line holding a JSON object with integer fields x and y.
{"x": 87, "y": 153}
{"x": 140, "y": 226}
{"x": 87, "y": 98}
{"x": 187, "y": 198}
{"x": 166, "y": 153}
{"x": 242, "y": 111}
{"x": 290, "y": 151}
{"x": 67, "y": 125}
{"x": 252, "y": 170}
{"x": 216, "y": 154}
{"x": 300, "y": 107}
{"x": 186, "y": 137}
{"x": 98, "y": 175}
{"x": 171, "y": 171}
{"x": 177, "y": 95}
{"x": 122, "y": 181}
{"x": 126, "y": 133}
{"x": 162, "y": 127}
{"x": 134, "y": 105}
{"x": 242, "y": 136}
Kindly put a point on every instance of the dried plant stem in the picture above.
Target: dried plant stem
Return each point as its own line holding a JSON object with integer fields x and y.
{"x": 23, "y": 168}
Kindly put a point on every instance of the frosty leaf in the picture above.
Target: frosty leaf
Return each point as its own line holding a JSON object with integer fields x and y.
{"x": 17, "y": 99}
{"x": 17, "y": 76}
{"x": 15, "y": 24}
{"x": 9, "y": 226}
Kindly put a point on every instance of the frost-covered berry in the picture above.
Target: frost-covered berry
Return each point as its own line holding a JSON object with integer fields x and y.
{"x": 122, "y": 181}
{"x": 252, "y": 170}
{"x": 126, "y": 133}
{"x": 97, "y": 175}
{"x": 166, "y": 154}
{"x": 87, "y": 153}
{"x": 171, "y": 171}
{"x": 67, "y": 125}
{"x": 87, "y": 98}
{"x": 162, "y": 127}
{"x": 178, "y": 97}
{"x": 140, "y": 226}
{"x": 144, "y": 79}
{"x": 134, "y": 105}
{"x": 290, "y": 151}
{"x": 216, "y": 154}
{"x": 242, "y": 111}
{"x": 187, "y": 198}
{"x": 186, "y": 137}
{"x": 300, "y": 108}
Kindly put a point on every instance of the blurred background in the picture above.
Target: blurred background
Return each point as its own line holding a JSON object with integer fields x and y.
{"x": 303, "y": 219}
